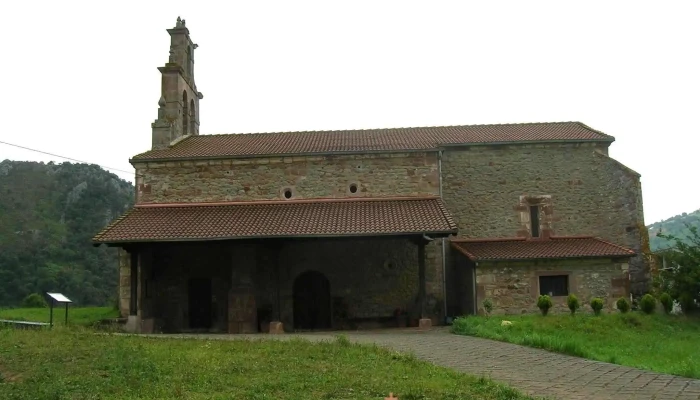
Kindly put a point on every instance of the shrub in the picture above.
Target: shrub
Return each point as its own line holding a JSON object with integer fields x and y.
{"x": 667, "y": 302}
{"x": 544, "y": 303}
{"x": 488, "y": 306}
{"x": 34, "y": 300}
{"x": 597, "y": 305}
{"x": 623, "y": 305}
{"x": 648, "y": 303}
{"x": 573, "y": 303}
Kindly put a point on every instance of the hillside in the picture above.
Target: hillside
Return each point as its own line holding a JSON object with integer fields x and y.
{"x": 48, "y": 214}
{"x": 673, "y": 226}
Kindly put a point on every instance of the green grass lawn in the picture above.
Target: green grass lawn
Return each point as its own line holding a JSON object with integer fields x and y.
{"x": 76, "y": 315}
{"x": 668, "y": 344}
{"x": 78, "y": 364}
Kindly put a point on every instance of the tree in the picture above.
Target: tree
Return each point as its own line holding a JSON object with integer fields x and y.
{"x": 681, "y": 277}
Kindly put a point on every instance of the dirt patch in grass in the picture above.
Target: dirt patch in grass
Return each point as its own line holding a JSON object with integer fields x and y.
{"x": 7, "y": 376}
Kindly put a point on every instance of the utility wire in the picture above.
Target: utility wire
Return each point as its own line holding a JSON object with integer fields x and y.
{"x": 66, "y": 158}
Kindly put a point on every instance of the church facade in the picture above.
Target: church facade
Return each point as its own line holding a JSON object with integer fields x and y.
{"x": 357, "y": 229}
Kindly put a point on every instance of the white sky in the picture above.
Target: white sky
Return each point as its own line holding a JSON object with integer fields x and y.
{"x": 80, "y": 78}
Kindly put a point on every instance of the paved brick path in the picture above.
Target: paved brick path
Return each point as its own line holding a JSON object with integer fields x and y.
{"x": 533, "y": 371}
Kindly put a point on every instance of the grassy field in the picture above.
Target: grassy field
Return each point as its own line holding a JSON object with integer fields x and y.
{"x": 76, "y": 315}
{"x": 78, "y": 364}
{"x": 668, "y": 344}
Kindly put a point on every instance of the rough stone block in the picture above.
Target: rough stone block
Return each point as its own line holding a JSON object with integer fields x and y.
{"x": 425, "y": 323}
{"x": 276, "y": 328}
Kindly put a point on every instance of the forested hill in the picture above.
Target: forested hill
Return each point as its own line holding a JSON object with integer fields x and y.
{"x": 48, "y": 214}
{"x": 675, "y": 226}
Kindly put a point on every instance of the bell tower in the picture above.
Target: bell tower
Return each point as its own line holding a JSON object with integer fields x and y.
{"x": 178, "y": 106}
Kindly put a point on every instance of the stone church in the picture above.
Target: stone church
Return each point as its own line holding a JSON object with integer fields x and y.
{"x": 352, "y": 229}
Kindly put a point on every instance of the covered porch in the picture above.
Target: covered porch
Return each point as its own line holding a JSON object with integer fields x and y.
{"x": 267, "y": 266}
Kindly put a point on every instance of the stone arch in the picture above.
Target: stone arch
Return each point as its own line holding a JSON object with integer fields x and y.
{"x": 312, "y": 301}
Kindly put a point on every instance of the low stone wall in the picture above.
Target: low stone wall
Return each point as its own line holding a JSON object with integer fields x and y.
{"x": 513, "y": 287}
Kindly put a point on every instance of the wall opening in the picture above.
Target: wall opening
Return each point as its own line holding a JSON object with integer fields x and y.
{"x": 535, "y": 221}
{"x": 312, "y": 301}
{"x": 200, "y": 307}
{"x": 554, "y": 285}
{"x": 185, "y": 114}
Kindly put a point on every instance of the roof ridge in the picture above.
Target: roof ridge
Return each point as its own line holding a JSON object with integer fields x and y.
{"x": 405, "y": 127}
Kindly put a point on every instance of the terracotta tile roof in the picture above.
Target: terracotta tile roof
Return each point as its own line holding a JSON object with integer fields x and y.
{"x": 351, "y": 141}
{"x": 527, "y": 249}
{"x": 303, "y": 218}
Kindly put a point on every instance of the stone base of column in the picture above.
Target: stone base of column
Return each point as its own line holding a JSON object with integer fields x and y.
{"x": 425, "y": 323}
{"x": 132, "y": 324}
{"x": 276, "y": 328}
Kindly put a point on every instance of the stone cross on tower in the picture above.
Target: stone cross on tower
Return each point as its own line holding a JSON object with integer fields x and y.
{"x": 178, "y": 106}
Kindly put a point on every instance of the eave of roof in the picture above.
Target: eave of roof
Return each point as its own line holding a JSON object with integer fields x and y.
{"x": 555, "y": 247}
{"x": 318, "y": 218}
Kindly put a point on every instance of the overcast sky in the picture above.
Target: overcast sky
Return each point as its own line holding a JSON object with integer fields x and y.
{"x": 80, "y": 78}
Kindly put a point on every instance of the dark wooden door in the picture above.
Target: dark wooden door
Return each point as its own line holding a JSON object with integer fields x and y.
{"x": 312, "y": 301}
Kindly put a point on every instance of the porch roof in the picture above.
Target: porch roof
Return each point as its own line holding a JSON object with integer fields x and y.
{"x": 280, "y": 219}
{"x": 533, "y": 249}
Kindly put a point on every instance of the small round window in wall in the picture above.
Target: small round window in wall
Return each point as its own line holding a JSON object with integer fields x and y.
{"x": 353, "y": 188}
{"x": 287, "y": 193}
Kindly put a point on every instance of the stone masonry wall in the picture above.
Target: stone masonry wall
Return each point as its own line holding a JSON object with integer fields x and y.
{"x": 249, "y": 179}
{"x": 589, "y": 194}
{"x": 513, "y": 287}
{"x": 373, "y": 277}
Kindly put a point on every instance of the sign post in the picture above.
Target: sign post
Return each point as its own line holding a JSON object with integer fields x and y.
{"x": 60, "y": 299}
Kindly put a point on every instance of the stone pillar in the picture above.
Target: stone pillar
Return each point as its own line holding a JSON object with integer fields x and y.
{"x": 125, "y": 282}
{"x": 133, "y": 277}
{"x": 242, "y": 309}
{"x": 425, "y": 322}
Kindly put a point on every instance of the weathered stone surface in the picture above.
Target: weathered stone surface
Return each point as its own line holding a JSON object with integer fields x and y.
{"x": 276, "y": 328}
{"x": 308, "y": 177}
{"x": 591, "y": 194}
{"x": 425, "y": 323}
{"x": 513, "y": 287}
{"x": 124, "y": 282}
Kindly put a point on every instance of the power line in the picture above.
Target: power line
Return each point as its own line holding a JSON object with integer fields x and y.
{"x": 64, "y": 157}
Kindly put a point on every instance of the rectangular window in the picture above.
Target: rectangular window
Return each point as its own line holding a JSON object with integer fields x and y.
{"x": 535, "y": 221}
{"x": 554, "y": 285}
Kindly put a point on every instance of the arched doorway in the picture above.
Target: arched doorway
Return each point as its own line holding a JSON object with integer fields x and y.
{"x": 312, "y": 301}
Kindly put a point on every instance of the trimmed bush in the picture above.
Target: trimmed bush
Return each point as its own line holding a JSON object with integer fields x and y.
{"x": 667, "y": 302}
{"x": 647, "y": 303}
{"x": 597, "y": 305}
{"x": 544, "y": 303}
{"x": 573, "y": 303}
{"x": 488, "y": 306}
{"x": 34, "y": 300}
{"x": 623, "y": 305}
